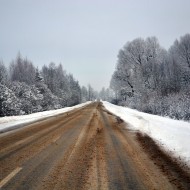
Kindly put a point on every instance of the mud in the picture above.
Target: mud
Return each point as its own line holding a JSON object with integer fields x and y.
{"x": 178, "y": 174}
{"x": 88, "y": 148}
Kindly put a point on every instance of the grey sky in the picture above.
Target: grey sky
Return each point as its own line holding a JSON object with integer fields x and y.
{"x": 85, "y": 35}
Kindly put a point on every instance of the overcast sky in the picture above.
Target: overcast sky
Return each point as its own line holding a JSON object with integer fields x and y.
{"x": 86, "y": 35}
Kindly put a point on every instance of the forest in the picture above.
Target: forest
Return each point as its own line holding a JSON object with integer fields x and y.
{"x": 25, "y": 89}
{"x": 147, "y": 77}
{"x": 152, "y": 79}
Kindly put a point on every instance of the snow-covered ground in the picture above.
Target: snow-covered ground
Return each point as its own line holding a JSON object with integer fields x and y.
{"x": 18, "y": 121}
{"x": 172, "y": 135}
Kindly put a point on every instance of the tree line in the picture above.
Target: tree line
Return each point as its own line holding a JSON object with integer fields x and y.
{"x": 147, "y": 77}
{"x": 25, "y": 89}
{"x": 152, "y": 79}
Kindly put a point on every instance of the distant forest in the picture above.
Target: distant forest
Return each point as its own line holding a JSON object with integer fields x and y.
{"x": 25, "y": 89}
{"x": 154, "y": 80}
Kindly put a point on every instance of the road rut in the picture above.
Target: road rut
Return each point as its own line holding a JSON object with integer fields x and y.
{"x": 88, "y": 148}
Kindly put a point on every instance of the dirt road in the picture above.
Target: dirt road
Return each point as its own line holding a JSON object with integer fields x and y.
{"x": 87, "y": 148}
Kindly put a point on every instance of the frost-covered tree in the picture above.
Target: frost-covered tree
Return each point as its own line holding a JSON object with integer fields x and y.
{"x": 75, "y": 91}
{"x": 102, "y": 94}
{"x": 180, "y": 57}
{"x": 28, "y": 95}
{"x": 57, "y": 81}
{"x": 22, "y": 70}
{"x": 182, "y": 48}
{"x": 84, "y": 94}
{"x": 38, "y": 76}
{"x": 146, "y": 73}
{"x": 9, "y": 103}
{"x": 91, "y": 93}
{"x": 106, "y": 94}
{"x": 48, "y": 100}
{"x": 3, "y": 73}
{"x": 26, "y": 89}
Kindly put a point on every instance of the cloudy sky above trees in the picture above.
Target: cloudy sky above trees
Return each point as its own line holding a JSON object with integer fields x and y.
{"x": 86, "y": 35}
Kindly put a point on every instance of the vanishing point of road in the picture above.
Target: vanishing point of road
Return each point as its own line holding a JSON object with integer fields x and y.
{"x": 87, "y": 148}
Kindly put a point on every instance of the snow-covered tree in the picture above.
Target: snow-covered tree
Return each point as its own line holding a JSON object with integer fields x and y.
{"x": 106, "y": 94}
{"x": 75, "y": 91}
{"x": 49, "y": 101}
{"x": 180, "y": 57}
{"x": 57, "y": 81}
{"x": 84, "y": 94}
{"x": 28, "y": 96}
{"x": 3, "y": 73}
{"x": 9, "y": 103}
{"x": 22, "y": 70}
{"x": 92, "y": 94}
{"x": 146, "y": 73}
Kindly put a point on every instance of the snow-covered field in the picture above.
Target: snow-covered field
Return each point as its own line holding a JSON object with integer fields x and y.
{"x": 14, "y": 121}
{"x": 172, "y": 135}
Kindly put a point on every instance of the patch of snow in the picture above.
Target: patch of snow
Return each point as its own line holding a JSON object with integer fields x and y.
{"x": 15, "y": 121}
{"x": 172, "y": 135}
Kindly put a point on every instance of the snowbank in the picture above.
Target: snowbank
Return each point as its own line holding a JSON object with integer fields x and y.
{"x": 7, "y": 123}
{"x": 172, "y": 135}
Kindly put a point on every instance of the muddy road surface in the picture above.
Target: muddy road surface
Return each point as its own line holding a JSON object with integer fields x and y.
{"x": 87, "y": 148}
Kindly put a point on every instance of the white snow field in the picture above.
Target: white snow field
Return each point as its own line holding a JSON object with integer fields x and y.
{"x": 10, "y": 122}
{"x": 172, "y": 135}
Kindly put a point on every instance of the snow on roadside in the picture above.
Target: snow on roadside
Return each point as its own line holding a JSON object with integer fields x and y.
{"x": 172, "y": 135}
{"x": 14, "y": 121}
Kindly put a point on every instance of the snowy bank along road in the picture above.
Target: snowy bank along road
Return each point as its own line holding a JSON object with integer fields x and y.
{"x": 85, "y": 148}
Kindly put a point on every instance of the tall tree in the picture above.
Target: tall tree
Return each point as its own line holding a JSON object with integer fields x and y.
{"x": 3, "y": 73}
{"x": 22, "y": 70}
